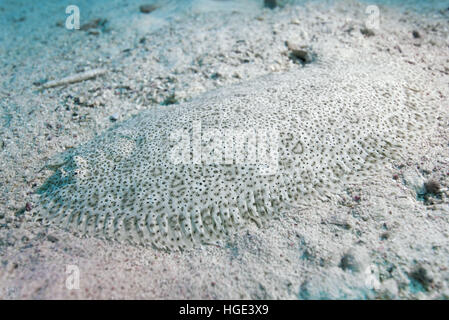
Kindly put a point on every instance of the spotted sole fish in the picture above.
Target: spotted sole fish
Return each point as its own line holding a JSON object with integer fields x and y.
{"x": 175, "y": 176}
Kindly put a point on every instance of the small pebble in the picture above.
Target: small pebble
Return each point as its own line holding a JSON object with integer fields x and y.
{"x": 114, "y": 117}
{"x": 93, "y": 32}
{"x": 422, "y": 276}
{"x": 367, "y": 32}
{"x": 414, "y": 180}
{"x": 300, "y": 52}
{"x": 385, "y": 236}
{"x": 147, "y": 8}
{"x": 432, "y": 186}
{"x": 52, "y": 238}
{"x": 39, "y": 82}
{"x": 93, "y": 24}
{"x": 271, "y": 4}
{"x": 354, "y": 260}
{"x": 348, "y": 262}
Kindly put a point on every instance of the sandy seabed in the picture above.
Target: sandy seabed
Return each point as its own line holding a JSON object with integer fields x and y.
{"x": 385, "y": 239}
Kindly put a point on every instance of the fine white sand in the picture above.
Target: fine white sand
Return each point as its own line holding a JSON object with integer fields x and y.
{"x": 396, "y": 244}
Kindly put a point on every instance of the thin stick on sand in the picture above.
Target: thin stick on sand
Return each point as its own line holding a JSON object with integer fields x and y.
{"x": 74, "y": 78}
